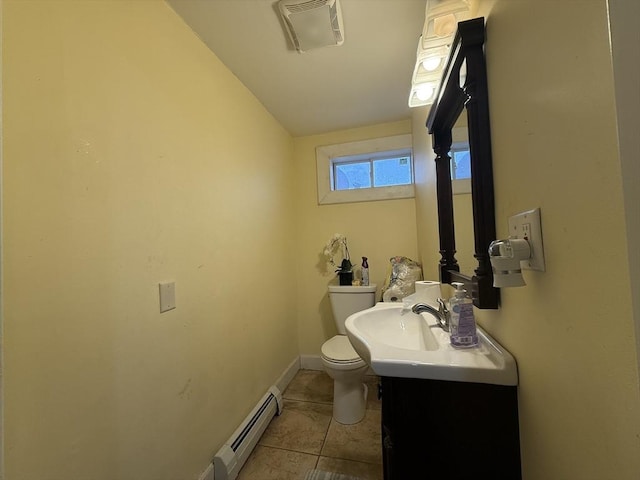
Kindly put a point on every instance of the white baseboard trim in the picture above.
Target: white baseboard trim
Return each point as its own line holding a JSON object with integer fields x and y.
{"x": 311, "y": 362}
{"x": 208, "y": 474}
{"x": 288, "y": 374}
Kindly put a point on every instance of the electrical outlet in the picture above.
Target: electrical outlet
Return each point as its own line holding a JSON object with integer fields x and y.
{"x": 527, "y": 225}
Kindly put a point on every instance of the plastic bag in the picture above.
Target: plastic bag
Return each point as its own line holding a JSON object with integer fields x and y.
{"x": 402, "y": 277}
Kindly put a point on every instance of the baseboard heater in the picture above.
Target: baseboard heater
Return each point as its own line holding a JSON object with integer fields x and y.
{"x": 234, "y": 453}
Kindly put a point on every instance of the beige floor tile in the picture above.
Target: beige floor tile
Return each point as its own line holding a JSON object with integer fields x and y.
{"x": 275, "y": 464}
{"x": 302, "y": 426}
{"x": 291, "y": 443}
{"x": 360, "y": 442}
{"x": 365, "y": 471}
{"x": 310, "y": 386}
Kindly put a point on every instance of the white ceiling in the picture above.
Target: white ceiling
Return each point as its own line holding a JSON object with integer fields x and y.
{"x": 363, "y": 82}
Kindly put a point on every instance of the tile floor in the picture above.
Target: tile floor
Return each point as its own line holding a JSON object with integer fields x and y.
{"x": 305, "y": 436}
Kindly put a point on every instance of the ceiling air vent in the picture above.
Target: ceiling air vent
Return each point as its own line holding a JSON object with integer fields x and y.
{"x": 312, "y": 24}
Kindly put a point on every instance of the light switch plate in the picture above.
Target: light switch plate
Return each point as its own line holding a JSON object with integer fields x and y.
{"x": 167, "y": 296}
{"x": 527, "y": 225}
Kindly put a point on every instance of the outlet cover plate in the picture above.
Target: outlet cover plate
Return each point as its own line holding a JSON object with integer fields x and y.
{"x": 527, "y": 225}
{"x": 167, "y": 296}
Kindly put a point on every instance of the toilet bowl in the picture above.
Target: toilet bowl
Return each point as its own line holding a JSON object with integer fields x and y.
{"x": 342, "y": 363}
{"x": 340, "y": 360}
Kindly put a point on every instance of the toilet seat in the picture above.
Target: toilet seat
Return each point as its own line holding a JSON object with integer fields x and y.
{"x": 338, "y": 350}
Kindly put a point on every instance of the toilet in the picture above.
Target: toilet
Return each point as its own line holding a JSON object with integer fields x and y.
{"x": 340, "y": 360}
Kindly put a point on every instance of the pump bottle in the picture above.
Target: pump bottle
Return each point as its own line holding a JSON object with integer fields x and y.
{"x": 462, "y": 325}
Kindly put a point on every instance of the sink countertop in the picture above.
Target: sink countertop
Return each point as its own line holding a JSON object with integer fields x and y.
{"x": 396, "y": 342}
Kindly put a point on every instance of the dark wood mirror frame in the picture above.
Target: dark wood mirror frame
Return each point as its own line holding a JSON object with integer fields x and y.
{"x": 451, "y": 100}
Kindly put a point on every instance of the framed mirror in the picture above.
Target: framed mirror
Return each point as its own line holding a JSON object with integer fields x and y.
{"x": 463, "y": 88}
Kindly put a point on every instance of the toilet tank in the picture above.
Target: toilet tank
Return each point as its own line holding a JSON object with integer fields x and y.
{"x": 347, "y": 300}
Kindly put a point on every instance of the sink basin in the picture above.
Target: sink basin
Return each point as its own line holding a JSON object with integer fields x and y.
{"x": 396, "y": 330}
{"x": 396, "y": 342}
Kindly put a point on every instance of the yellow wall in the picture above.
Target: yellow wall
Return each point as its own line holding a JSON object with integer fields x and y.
{"x": 554, "y": 144}
{"x": 377, "y": 230}
{"x": 625, "y": 37}
{"x": 119, "y": 174}
{"x": 133, "y": 156}
{"x": 426, "y": 199}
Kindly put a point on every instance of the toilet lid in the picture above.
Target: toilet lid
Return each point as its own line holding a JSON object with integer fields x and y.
{"x": 339, "y": 349}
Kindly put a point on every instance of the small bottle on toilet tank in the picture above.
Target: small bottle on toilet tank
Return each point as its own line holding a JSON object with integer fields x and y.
{"x": 365, "y": 272}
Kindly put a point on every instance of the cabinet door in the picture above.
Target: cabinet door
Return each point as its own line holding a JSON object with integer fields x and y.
{"x": 449, "y": 430}
{"x": 385, "y": 391}
{"x": 387, "y": 453}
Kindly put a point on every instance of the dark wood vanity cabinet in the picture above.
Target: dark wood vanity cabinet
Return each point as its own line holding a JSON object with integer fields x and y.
{"x": 443, "y": 430}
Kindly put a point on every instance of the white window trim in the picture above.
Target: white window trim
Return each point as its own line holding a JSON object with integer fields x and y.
{"x": 461, "y": 186}
{"x": 325, "y": 153}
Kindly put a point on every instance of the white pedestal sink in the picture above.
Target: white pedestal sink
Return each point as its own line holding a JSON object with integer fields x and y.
{"x": 396, "y": 342}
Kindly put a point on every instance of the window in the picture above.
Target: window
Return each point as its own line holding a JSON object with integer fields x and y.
{"x": 460, "y": 163}
{"x": 460, "y": 160}
{"x": 375, "y": 169}
{"x": 366, "y": 171}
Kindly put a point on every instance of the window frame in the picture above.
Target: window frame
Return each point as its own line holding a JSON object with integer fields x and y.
{"x": 373, "y": 149}
{"x": 371, "y": 159}
{"x": 460, "y": 137}
{"x": 460, "y": 185}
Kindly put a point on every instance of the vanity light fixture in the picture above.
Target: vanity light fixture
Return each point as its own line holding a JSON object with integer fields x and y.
{"x": 445, "y": 25}
{"x": 426, "y": 75}
{"x": 441, "y": 21}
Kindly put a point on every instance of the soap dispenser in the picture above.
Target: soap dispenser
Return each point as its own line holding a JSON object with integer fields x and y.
{"x": 462, "y": 325}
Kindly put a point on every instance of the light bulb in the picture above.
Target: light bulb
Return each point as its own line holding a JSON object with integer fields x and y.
{"x": 424, "y": 92}
{"x": 431, "y": 63}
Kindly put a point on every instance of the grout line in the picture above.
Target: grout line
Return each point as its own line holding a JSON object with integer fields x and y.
{"x": 354, "y": 461}
{"x": 326, "y": 434}
{"x": 307, "y": 401}
{"x": 320, "y": 455}
{"x": 289, "y": 450}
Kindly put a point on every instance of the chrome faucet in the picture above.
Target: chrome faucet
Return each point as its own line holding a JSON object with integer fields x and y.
{"x": 442, "y": 314}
